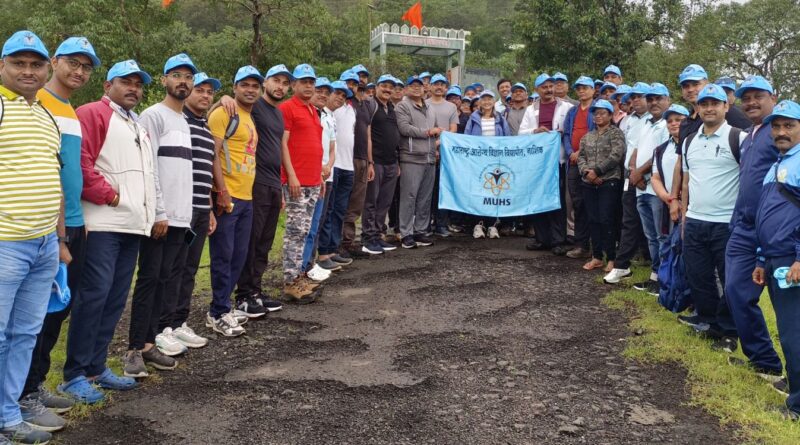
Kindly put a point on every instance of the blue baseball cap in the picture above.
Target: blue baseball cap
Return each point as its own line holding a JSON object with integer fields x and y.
{"x": 612, "y": 69}
{"x": 339, "y": 85}
{"x": 542, "y": 78}
{"x": 607, "y": 85}
{"x": 712, "y": 91}
{"x": 676, "y": 109}
{"x": 585, "y": 81}
{"x": 560, "y": 76}
{"x": 400, "y": 83}
{"x": 279, "y": 69}
{"x": 247, "y": 71}
{"x": 413, "y": 79}
{"x": 754, "y": 83}
{"x": 477, "y": 85}
{"x": 372, "y": 85}
{"x": 657, "y": 89}
{"x": 424, "y": 74}
{"x": 386, "y": 78}
{"x": 785, "y": 108}
{"x": 348, "y": 75}
{"x": 323, "y": 82}
{"x": 60, "y": 294}
{"x": 692, "y": 72}
{"x": 453, "y": 91}
{"x": 470, "y": 87}
{"x": 126, "y": 68}
{"x": 519, "y": 86}
{"x": 439, "y": 78}
{"x": 201, "y": 78}
{"x": 24, "y": 41}
{"x": 179, "y": 60}
{"x": 640, "y": 88}
{"x": 599, "y": 82}
{"x": 77, "y": 45}
{"x": 487, "y": 93}
{"x": 304, "y": 71}
{"x": 621, "y": 90}
{"x": 602, "y": 104}
{"x": 534, "y": 96}
{"x": 360, "y": 69}
{"x": 726, "y": 82}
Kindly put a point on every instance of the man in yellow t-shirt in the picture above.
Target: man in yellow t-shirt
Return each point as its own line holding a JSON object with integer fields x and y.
{"x": 234, "y": 173}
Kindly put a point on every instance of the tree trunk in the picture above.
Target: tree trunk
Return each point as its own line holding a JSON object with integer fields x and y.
{"x": 257, "y": 45}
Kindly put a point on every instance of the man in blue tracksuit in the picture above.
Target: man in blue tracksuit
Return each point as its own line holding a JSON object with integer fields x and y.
{"x": 778, "y": 237}
{"x": 758, "y": 154}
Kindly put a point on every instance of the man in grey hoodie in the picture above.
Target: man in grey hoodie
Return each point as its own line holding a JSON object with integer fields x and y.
{"x": 418, "y": 134}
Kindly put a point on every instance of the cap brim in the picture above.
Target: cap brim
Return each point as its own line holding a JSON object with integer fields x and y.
{"x": 304, "y": 77}
{"x": 146, "y": 79}
{"x": 694, "y": 78}
{"x": 285, "y": 73}
{"x": 215, "y": 83}
{"x": 29, "y": 50}
{"x": 740, "y": 92}
{"x": 95, "y": 60}
{"x": 191, "y": 67}
{"x": 250, "y": 76}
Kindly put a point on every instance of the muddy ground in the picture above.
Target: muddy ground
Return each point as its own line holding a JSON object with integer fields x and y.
{"x": 466, "y": 342}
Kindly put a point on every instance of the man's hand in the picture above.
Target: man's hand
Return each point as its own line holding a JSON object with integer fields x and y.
{"x": 212, "y": 223}
{"x": 591, "y": 176}
{"x": 115, "y": 201}
{"x": 322, "y": 190}
{"x": 758, "y": 275}
{"x": 573, "y": 158}
{"x": 159, "y": 229}
{"x": 635, "y": 177}
{"x": 63, "y": 253}
{"x": 326, "y": 172}
{"x": 540, "y": 130}
{"x": 793, "y": 277}
{"x": 675, "y": 210}
{"x": 294, "y": 187}
{"x": 370, "y": 173}
{"x": 223, "y": 202}
{"x": 228, "y": 104}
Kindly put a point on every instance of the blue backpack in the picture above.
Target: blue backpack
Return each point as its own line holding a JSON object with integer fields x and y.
{"x": 674, "y": 294}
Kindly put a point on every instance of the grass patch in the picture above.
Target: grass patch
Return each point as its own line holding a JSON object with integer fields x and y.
{"x": 737, "y": 396}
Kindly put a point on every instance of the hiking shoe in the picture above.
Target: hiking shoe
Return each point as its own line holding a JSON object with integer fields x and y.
{"x": 342, "y": 260}
{"x": 109, "y": 380}
{"x": 81, "y": 390}
{"x": 133, "y": 365}
{"x": 239, "y": 316}
{"x": 270, "y": 304}
{"x": 56, "y": 403}
{"x": 250, "y": 307}
{"x": 387, "y": 246}
{"x": 319, "y": 274}
{"x": 188, "y": 337}
{"x": 35, "y": 414}
{"x": 725, "y": 344}
{"x": 330, "y": 265}
{"x": 423, "y": 240}
{"x": 579, "y": 252}
{"x": 159, "y": 360}
{"x": 616, "y": 275}
{"x": 769, "y": 375}
{"x": 493, "y": 232}
{"x": 534, "y": 244}
{"x": 782, "y": 386}
{"x": 226, "y": 325}
{"x": 455, "y": 228}
{"x": 168, "y": 344}
{"x": 478, "y": 231}
{"x": 559, "y": 250}
{"x": 408, "y": 242}
{"x": 22, "y": 433}
{"x": 372, "y": 248}
{"x": 442, "y": 231}
{"x": 297, "y": 292}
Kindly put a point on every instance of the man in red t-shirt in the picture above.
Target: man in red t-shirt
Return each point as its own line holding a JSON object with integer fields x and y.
{"x": 301, "y": 176}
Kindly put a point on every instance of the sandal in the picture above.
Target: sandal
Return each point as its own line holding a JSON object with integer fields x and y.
{"x": 593, "y": 264}
{"x": 109, "y": 380}
{"x": 81, "y": 390}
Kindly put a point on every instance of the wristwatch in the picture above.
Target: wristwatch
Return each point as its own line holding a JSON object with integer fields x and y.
{"x": 63, "y": 239}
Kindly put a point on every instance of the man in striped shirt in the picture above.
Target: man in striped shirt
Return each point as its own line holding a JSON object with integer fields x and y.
{"x": 30, "y": 211}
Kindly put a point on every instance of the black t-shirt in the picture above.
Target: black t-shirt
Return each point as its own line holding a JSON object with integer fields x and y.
{"x": 385, "y": 136}
{"x": 463, "y": 118}
{"x": 269, "y": 126}
{"x": 364, "y": 110}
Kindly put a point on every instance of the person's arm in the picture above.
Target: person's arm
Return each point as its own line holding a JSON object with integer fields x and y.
{"x": 582, "y": 161}
{"x": 468, "y": 126}
{"x": 328, "y": 168}
{"x": 61, "y": 231}
{"x": 677, "y": 185}
{"x": 226, "y": 102}
{"x": 658, "y": 187}
{"x": 406, "y": 126}
{"x": 453, "y": 127}
{"x": 370, "y": 162}
{"x": 528, "y": 122}
{"x": 96, "y": 189}
{"x": 153, "y": 125}
{"x": 286, "y": 161}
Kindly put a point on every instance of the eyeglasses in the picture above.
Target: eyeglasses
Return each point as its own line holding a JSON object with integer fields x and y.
{"x": 75, "y": 64}
{"x": 179, "y": 76}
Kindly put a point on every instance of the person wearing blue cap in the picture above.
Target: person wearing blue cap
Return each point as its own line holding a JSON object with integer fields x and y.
{"x": 729, "y": 85}
{"x": 399, "y": 91}
{"x": 548, "y": 114}
{"x": 369, "y": 92}
{"x": 445, "y": 118}
{"x": 119, "y": 209}
{"x": 759, "y": 153}
{"x": 607, "y": 89}
{"x": 470, "y": 91}
{"x": 32, "y": 241}
{"x": 665, "y": 157}
{"x": 426, "y": 77}
{"x": 515, "y": 111}
{"x": 561, "y": 88}
{"x": 504, "y": 89}
{"x": 267, "y": 193}
{"x": 708, "y": 194}
{"x": 73, "y": 64}
{"x": 362, "y": 73}
{"x": 777, "y": 228}
{"x": 599, "y": 157}
{"x": 158, "y": 255}
{"x": 612, "y": 74}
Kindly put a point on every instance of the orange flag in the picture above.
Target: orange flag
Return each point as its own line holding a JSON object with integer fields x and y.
{"x": 165, "y": 3}
{"x": 414, "y": 15}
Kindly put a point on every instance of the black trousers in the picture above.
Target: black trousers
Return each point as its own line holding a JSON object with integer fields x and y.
{"x": 51, "y": 327}
{"x": 601, "y": 212}
{"x": 157, "y": 269}
{"x": 266, "y": 210}
{"x": 632, "y": 237}
{"x": 551, "y": 227}
{"x": 574, "y": 185}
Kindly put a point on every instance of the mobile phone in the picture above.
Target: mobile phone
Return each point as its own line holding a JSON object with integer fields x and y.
{"x": 189, "y": 237}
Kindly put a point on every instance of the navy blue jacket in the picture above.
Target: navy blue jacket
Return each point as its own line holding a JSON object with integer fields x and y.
{"x": 758, "y": 155}
{"x": 778, "y": 218}
{"x": 569, "y": 124}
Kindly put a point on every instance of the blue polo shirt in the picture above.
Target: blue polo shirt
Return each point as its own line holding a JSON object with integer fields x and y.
{"x": 713, "y": 176}
{"x": 778, "y": 219}
{"x": 758, "y": 155}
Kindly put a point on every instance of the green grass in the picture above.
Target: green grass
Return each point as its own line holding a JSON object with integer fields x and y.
{"x": 735, "y": 395}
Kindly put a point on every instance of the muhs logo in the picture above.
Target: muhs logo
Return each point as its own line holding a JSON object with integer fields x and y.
{"x": 497, "y": 179}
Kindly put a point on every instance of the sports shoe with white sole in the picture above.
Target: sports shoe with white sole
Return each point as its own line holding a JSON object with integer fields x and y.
{"x": 616, "y": 275}
{"x": 250, "y": 307}
{"x": 35, "y": 414}
{"x": 241, "y": 317}
{"x": 168, "y": 344}
{"x": 478, "y": 231}
{"x": 23, "y": 433}
{"x": 188, "y": 337}
{"x": 225, "y": 325}
{"x": 318, "y": 274}
{"x": 493, "y": 232}
{"x": 159, "y": 360}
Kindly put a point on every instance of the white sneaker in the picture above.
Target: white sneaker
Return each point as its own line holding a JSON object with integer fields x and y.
{"x": 168, "y": 344}
{"x": 225, "y": 325}
{"x": 616, "y": 275}
{"x": 240, "y": 316}
{"x": 653, "y": 276}
{"x": 493, "y": 232}
{"x": 318, "y": 274}
{"x": 188, "y": 338}
{"x": 478, "y": 231}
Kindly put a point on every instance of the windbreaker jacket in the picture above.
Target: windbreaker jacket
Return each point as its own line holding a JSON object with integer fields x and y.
{"x": 778, "y": 218}
{"x": 117, "y": 158}
{"x": 758, "y": 154}
{"x": 473, "y": 127}
{"x": 413, "y": 122}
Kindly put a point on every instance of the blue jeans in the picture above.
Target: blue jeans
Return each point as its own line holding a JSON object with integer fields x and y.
{"x": 786, "y": 303}
{"x": 308, "y": 249}
{"x": 228, "y": 247}
{"x": 330, "y": 234}
{"x": 27, "y": 270}
{"x": 650, "y": 211}
{"x": 107, "y": 273}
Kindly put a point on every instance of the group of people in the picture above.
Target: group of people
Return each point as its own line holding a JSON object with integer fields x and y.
{"x": 107, "y": 193}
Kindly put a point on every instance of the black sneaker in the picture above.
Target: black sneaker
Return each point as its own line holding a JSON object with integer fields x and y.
{"x": 534, "y": 244}
{"x": 329, "y": 264}
{"x": 372, "y": 248}
{"x": 782, "y": 386}
{"x": 251, "y": 307}
{"x": 653, "y": 288}
{"x": 341, "y": 259}
{"x": 408, "y": 242}
{"x": 559, "y": 250}
{"x": 271, "y": 305}
{"x": 423, "y": 240}
{"x": 769, "y": 375}
{"x": 642, "y": 286}
{"x": 725, "y": 344}
{"x": 387, "y": 246}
